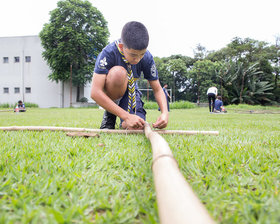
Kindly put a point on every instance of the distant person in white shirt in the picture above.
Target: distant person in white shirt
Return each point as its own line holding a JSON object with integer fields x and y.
{"x": 212, "y": 93}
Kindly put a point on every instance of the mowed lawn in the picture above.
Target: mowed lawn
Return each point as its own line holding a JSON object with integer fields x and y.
{"x": 48, "y": 177}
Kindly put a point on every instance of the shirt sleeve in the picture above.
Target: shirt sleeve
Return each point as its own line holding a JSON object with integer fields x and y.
{"x": 149, "y": 67}
{"x": 104, "y": 62}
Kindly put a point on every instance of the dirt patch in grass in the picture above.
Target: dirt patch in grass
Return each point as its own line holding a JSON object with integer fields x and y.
{"x": 256, "y": 111}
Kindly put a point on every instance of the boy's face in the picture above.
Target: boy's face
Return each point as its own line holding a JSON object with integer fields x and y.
{"x": 131, "y": 55}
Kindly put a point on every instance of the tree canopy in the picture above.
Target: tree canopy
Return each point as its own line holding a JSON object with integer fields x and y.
{"x": 74, "y": 36}
{"x": 245, "y": 71}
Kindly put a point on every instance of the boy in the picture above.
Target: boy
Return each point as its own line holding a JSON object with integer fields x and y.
{"x": 20, "y": 107}
{"x": 113, "y": 86}
{"x": 218, "y": 104}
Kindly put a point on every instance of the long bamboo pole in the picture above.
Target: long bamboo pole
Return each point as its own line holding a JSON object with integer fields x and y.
{"x": 176, "y": 201}
{"x": 6, "y": 110}
{"x": 110, "y": 131}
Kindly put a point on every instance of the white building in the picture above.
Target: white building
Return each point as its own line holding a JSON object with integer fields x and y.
{"x": 24, "y": 75}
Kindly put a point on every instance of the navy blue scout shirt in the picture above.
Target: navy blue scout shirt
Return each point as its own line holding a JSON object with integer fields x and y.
{"x": 110, "y": 57}
{"x": 218, "y": 104}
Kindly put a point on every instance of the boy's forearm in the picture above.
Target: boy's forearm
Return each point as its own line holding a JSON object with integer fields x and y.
{"x": 159, "y": 95}
{"x": 161, "y": 101}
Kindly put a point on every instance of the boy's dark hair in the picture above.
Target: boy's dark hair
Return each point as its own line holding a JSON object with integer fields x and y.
{"x": 19, "y": 101}
{"x": 135, "y": 36}
{"x": 219, "y": 97}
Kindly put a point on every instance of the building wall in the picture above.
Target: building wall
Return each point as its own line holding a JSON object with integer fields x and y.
{"x": 33, "y": 74}
{"x": 87, "y": 92}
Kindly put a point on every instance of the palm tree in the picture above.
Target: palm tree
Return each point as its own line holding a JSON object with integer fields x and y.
{"x": 250, "y": 89}
{"x": 227, "y": 74}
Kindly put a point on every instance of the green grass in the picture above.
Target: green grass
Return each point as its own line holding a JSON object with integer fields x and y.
{"x": 47, "y": 177}
{"x": 252, "y": 107}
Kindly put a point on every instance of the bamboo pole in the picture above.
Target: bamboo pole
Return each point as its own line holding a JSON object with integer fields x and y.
{"x": 6, "y": 110}
{"x": 109, "y": 131}
{"x": 176, "y": 201}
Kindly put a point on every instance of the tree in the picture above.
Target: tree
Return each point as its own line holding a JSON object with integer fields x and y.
{"x": 177, "y": 69}
{"x": 200, "y": 52}
{"x": 201, "y": 77}
{"x": 248, "y": 59}
{"x": 173, "y": 71}
{"x": 248, "y": 87}
{"x": 245, "y": 74}
{"x": 275, "y": 51}
{"x": 73, "y": 38}
{"x": 164, "y": 75}
{"x": 227, "y": 73}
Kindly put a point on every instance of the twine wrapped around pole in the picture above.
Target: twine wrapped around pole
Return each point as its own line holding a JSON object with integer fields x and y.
{"x": 176, "y": 201}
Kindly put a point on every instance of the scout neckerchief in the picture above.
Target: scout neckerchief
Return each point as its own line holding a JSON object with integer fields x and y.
{"x": 131, "y": 83}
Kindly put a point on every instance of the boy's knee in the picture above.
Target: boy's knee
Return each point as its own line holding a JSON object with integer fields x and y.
{"x": 118, "y": 75}
{"x": 116, "y": 82}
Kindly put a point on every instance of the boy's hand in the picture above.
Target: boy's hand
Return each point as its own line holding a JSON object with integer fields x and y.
{"x": 162, "y": 121}
{"x": 133, "y": 122}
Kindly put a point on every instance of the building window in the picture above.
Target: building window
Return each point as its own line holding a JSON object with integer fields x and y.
{"x": 5, "y": 60}
{"x": 6, "y": 90}
{"x": 16, "y": 59}
{"x": 16, "y": 89}
{"x": 27, "y": 89}
{"x": 27, "y": 58}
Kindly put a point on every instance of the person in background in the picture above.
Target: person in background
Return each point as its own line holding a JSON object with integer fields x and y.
{"x": 164, "y": 88}
{"x": 218, "y": 105}
{"x": 20, "y": 107}
{"x": 212, "y": 92}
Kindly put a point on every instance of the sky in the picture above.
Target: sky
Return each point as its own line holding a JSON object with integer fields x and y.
{"x": 175, "y": 26}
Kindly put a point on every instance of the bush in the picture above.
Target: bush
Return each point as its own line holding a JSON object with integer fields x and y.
{"x": 182, "y": 105}
{"x": 175, "y": 105}
{"x": 34, "y": 105}
{"x": 83, "y": 100}
{"x": 4, "y": 105}
{"x": 27, "y": 105}
{"x": 150, "y": 105}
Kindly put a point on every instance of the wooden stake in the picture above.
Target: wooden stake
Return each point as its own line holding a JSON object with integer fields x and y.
{"x": 82, "y": 134}
{"x": 109, "y": 131}
{"x": 176, "y": 201}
